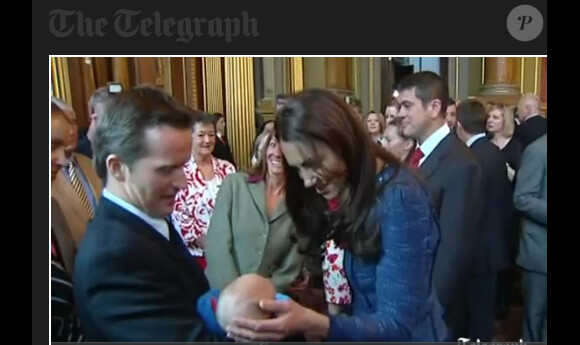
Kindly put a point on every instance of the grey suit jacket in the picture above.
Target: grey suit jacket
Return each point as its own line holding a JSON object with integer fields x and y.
{"x": 531, "y": 199}
{"x": 63, "y": 235}
{"x": 242, "y": 239}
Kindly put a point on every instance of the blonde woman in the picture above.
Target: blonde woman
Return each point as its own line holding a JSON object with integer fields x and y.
{"x": 375, "y": 123}
{"x": 501, "y": 126}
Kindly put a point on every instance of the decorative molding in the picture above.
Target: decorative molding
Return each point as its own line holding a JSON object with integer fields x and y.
{"x": 192, "y": 99}
{"x": 213, "y": 85}
{"x": 296, "y": 75}
{"x": 457, "y": 77}
{"x": 537, "y": 72}
{"x": 482, "y": 70}
{"x": 522, "y": 65}
{"x": 371, "y": 82}
{"x": 240, "y": 111}
{"x": 356, "y": 77}
{"x": 60, "y": 79}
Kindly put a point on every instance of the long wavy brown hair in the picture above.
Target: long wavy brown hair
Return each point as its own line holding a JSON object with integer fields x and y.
{"x": 319, "y": 116}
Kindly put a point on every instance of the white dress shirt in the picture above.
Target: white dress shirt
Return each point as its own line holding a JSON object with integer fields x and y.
{"x": 434, "y": 139}
{"x": 473, "y": 139}
{"x": 158, "y": 224}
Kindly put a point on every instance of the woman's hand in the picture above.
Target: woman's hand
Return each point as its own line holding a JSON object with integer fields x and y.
{"x": 291, "y": 319}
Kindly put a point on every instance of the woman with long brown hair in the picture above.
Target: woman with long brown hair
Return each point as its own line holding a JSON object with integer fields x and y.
{"x": 384, "y": 221}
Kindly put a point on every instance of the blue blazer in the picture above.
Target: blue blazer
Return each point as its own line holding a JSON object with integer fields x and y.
{"x": 394, "y": 297}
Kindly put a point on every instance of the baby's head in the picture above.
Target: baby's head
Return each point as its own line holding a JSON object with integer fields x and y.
{"x": 241, "y": 298}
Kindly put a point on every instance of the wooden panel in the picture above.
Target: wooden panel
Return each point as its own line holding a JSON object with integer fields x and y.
{"x": 121, "y": 74}
{"x": 79, "y": 93}
{"x": 193, "y": 82}
{"x": 145, "y": 70}
{"x": 544, "y": 80}
{"x": 178, "y": 79}
{"x": 337, "y": 70}
{"x": 199, "y": 81}
{"x": 102, "y": 70}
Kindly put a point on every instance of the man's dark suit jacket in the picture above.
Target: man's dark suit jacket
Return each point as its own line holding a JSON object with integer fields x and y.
{"x": 454, "y": 178}
{"x": 222, "y": 150}
{"x": 531, "y": 129}
{"x": 133, "y": 285}
{"x": 498, "y": 209}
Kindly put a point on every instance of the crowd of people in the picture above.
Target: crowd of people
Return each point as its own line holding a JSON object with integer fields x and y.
{"x": 413, "y": 218}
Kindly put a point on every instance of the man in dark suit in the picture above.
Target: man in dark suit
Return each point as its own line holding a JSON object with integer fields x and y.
{"x": 454, "y": 178}
{"x": 532, "y": 124}
{"x": 491, "y": 253}
{"x": 222, "y": 149}
{"x": 531, "y": 199}
{"x": 135, "y": 280}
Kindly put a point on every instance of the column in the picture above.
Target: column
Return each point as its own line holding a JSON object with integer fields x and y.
{"x": 193, "y": 77}
{"x": 213, "y": 85}
{"x": 337, "y": 74}
{"x": 501, "y": 76}
{"x": 121, "y": 71}
{"x": 60, "y": 78}
{"x": 296, "y": 74}
{"x": 240, "y": 112}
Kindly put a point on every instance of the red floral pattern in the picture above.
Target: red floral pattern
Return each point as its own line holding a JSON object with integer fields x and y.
{"x": 194, "y": 204}
{"x": 336, "y": 288}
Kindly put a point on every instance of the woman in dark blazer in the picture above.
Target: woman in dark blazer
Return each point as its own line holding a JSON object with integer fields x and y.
{"x": 250, "y": 229}
{"x": 384, "y": 220}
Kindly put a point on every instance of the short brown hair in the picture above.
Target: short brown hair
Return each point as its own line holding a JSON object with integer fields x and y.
{"x": 472, "y": 116}
{"x": 428, "y": 87}
{"x": 121, "y": 128}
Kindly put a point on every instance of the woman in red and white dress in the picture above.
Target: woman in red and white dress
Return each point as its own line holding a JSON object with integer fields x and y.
{"x": 204, "y": 173}
{"x": 336, "y": 289}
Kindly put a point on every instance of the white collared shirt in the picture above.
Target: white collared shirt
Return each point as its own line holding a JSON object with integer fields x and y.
{"x": 531, "y": 116}
{"x": 473, "y": 139}
{"x": 158, "y": 224}
{"x": 431, "y": 143}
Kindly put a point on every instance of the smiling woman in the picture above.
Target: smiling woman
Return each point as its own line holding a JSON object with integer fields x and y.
{"x": 205, "y": 174}
{"x": 250, "y": 228}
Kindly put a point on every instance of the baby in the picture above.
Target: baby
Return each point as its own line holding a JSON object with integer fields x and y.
{"x": 240, "y": 298}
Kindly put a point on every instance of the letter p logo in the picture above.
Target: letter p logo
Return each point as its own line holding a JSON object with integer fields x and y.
{"x": 524, "y": 20}
{"x": 525, "y": 23}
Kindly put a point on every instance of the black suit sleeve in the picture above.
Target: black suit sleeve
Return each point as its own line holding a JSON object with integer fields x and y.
{"x": 131, "y": 299}
{"x": 222, "y": 151}
{"x": 459, "y": 217}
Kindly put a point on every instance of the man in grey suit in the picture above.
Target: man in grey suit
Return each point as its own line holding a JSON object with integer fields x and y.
{"x": 530, "y": 198}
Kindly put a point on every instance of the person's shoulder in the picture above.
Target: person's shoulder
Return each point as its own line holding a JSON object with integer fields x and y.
{"x": 83, "y": 159}
{"x": 399, "y": 182}
{"x": 537, "y": 146}
{"x": 236, "y": 180}
{"x": 238, "y": 177}
{"x": 225, "y": 165}
{"x": 112, "y": 243}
